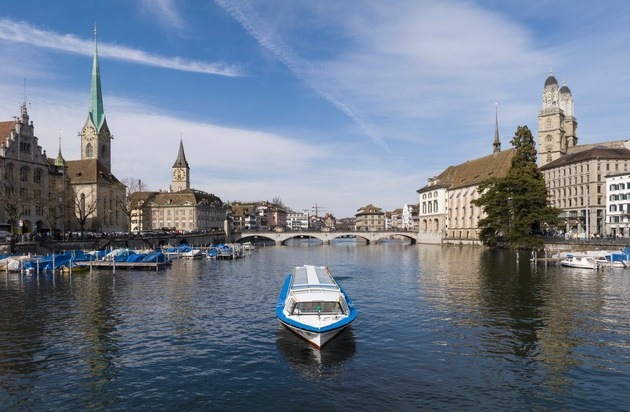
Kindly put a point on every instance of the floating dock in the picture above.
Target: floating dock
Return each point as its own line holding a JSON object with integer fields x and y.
{"x": 113, "y": 265}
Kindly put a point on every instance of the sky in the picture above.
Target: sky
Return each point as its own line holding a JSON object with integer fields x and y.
{"x": 331, "y": 104}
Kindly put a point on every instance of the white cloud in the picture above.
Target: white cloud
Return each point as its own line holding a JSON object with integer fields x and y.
{"x": 166, "y": 12}
{"x": 245, "y": 14}
{"x": 20, "y": 32}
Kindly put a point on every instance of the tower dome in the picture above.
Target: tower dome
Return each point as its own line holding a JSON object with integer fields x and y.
{"x": 551, "y": 80}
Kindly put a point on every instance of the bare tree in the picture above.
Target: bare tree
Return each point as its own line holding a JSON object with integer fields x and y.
{"x": 278, "y": 202}
{"x": 56, "y": 207}
{"x": 127, "y": 204}
{"x": 12, "y": 203}
{"x": 84, "y": 207}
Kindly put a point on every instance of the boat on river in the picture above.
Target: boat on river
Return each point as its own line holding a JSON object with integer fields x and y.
{"x": 579, "y": 261}
{"x": 313, "y": 305}
{"x": 74, "y": 267}
{"x": 192, "y": 254}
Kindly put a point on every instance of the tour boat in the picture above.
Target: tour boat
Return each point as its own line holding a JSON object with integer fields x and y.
{"x": 313, "y": 305}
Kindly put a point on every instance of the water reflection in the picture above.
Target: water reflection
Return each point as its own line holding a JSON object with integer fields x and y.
{"x": 497, "y": 306}
{"x": 317, "y": 364}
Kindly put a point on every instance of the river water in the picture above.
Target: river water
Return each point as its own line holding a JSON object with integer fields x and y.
{"x": 439, "y": 328}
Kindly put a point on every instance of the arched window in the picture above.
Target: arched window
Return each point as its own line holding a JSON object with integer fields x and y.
{"x": 37, "y": 176}
{"x": 24, "y": 174}
{"x": 9, "y": 172}
{"x": 89, "y": 150}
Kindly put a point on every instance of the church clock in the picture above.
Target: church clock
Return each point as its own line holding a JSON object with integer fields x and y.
{"x": 179, "y": 174}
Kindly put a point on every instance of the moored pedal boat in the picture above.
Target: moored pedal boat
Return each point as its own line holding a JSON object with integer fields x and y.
{"x": 313, "y": 305}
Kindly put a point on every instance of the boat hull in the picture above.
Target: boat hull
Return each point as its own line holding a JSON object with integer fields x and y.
{"x": 317, "y": 339}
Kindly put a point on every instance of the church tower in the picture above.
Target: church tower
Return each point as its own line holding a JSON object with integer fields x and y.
{"x": 181, "y": 171}
{"x": 496, "y": 145}
{"x": 557, "y": 127}
{"x": 95, "y": 135}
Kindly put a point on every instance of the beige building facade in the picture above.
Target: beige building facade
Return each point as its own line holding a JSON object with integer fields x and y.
{"x": 575, "y": 174}
{"x": 31, "y": 185}
{"x": 446, "y": 212}
{"x": 180, "y": 208}
{"x": 369, "y": 218}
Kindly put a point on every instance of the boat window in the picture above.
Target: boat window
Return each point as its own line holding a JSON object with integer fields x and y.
{"x": 328, "y": 308}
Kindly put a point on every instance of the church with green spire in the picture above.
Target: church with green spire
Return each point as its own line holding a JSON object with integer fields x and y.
{"x": 99, "y": 197}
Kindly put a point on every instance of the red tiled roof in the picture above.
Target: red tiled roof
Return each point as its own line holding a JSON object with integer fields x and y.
{"x": 473, "y": 172}
{"x": 89, "y": 171}
{"x": 5, "y": 130}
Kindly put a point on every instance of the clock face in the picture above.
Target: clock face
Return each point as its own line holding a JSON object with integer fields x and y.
{"x": 178, "y": 174}
{"x": 89, "y": 134}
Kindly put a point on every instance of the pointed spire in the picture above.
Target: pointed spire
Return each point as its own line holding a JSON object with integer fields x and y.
{"x": 181, "y": 156}
{"x": 497, "y": 143}
{"x": 59, "y": 161}
{"x": 96, "y": 110}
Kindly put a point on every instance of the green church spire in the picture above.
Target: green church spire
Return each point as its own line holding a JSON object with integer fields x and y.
{"x": 96, "y": 111}
{"x": 60, "y": 161}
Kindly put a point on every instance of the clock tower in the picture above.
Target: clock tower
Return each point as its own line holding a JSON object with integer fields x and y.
{"x": 95, "y": 135}
{"x": 557, "y": 126}
{"x": 181, "y": 171}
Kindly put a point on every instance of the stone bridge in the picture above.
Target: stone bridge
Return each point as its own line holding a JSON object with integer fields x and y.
{"x": 281, "y": 237}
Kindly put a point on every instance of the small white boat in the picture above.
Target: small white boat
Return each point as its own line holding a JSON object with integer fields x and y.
{"x": 249, "y": 246}
{"x": 313, "y": 305}
{"x": 192, "y": 254}
{"x": 576, "y": 261}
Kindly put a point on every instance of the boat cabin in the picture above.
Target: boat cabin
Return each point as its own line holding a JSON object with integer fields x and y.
{"x": 314, "y": 292}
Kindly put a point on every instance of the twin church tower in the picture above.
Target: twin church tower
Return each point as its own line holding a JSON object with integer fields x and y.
{"x": 557, "y": 126}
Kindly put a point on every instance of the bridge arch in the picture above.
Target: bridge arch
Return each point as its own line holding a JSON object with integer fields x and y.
{"x": 280, "y": 238}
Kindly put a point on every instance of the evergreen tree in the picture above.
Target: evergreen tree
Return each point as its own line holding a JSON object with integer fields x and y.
{"x": 516, "y": 206}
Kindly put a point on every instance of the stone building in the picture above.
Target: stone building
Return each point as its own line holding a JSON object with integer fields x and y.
{"x": 180, "y": 208}
{"x": 404, "y": 218}
{"x": 244, "y": 216}
{"x": 446, "y": 213}
{"x": 575, "y": 174}
{"x": 31, "y": 185}
{"x": 298, "y": 220}
{"x": 98, "y": 197}
{"x": 618, "y": 205}
{"x": 369, "y": 218}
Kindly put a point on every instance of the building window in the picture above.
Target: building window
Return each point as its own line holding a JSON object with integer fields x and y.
{"x": 37, "y": 176}
{"x": 23, "y": 174}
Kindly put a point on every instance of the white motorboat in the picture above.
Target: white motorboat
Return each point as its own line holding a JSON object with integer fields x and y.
{"x": 192, "y": 254}
{"x": 579, "y": 261}
{"x": 313, "y": 305}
